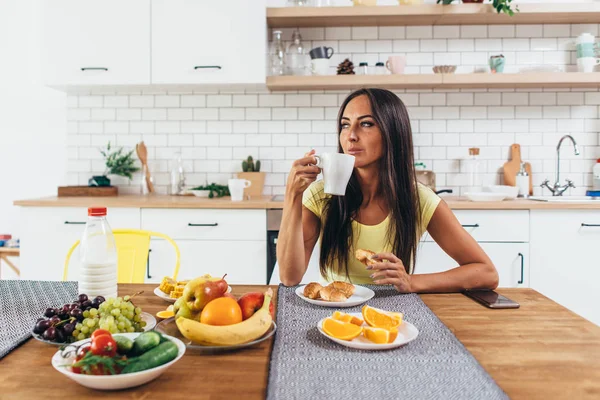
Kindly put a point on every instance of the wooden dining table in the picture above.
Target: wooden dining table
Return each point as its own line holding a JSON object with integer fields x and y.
{"x": 539, "y": 351}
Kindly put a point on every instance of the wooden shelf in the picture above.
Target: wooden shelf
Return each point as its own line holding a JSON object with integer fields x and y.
{"x": 437, "y": 81}
{"x": 432, "y": 14}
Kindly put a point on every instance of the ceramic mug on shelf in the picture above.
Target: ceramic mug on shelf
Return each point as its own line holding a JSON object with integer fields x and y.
{"x": 321, "y": 52}
{"x": 337, "y": 169}
{"x": 236, "y": 188}
{"x": 587, "y": 64}
{"x": 586, "y": 45}
{"x": 396, "y": 64}
{"x": 319, "y": 66}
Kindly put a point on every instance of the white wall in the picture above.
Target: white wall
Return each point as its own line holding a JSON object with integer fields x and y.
{"x": 32, "y": 117}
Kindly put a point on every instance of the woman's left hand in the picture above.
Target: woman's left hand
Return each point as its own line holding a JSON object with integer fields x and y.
{"x": 389, "y": 270}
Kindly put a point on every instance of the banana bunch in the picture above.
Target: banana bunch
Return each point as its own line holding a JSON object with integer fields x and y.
{"x": 226, "y": 335}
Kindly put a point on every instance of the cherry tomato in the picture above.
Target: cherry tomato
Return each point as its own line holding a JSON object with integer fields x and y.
{"x": 81, "y": 352}
{"x": 104, "y": 345}
{"x": 100, "y": 332}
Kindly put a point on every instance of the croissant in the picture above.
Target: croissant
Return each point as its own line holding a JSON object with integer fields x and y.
{"x": 364, "y": 256}
{"x": 347, "y": 289}
{"x": 312, "y": 290}
{"x": 329, "y": 293}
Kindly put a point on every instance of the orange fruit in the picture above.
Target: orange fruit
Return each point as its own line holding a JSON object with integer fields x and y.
{"x": 221, "y": 311}
{"x": 342, "y": 316}
{"x": 380, "y": 335}
{"x": 341, "y": 330}
{"x": 381, "y": 319}
{"x": 165, "y": 314}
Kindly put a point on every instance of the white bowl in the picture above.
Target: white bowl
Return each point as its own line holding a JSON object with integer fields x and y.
{"x": 113, "y": 382}
{"x": 485, "y": 196}
{"x": 200, "y": 193}
{"x": 510, "y": 192}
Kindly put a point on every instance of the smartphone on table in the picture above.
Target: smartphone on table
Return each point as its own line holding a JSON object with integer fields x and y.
{"x": 491, "y": 299}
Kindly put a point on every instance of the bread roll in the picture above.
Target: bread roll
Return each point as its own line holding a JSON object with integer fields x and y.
{"x": 364, "y": 256}
{"x": 347, "y": 289}
{"x": 329, "y": 293}
{"x": 312, "y": 290}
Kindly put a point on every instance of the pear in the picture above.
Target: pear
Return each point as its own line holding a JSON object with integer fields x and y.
{"x": 198, "y": 292}
{"x": 181, "y": 309}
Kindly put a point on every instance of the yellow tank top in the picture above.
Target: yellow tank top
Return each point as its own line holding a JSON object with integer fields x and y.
{"x": 371, "y": 237}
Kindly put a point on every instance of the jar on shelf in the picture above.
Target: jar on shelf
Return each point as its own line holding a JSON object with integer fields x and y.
{"x": 295, "y": 56}
{"x": 276, "y": 55}
{"x": 380, "y": 68}
{"x": 472, "y": 168}
{"x": 363, "y": 69}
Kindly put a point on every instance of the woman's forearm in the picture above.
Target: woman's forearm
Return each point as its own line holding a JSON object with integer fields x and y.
{"x": 290, "y": 242}
{"x": 469, "y": 276}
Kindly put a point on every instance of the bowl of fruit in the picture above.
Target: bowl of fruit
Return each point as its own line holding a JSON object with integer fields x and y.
{"x": 111, "y": 362}
{"x": 78, "y": 320}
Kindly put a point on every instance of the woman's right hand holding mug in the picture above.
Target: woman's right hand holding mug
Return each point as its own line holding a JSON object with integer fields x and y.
{"x": 304, "y": 172}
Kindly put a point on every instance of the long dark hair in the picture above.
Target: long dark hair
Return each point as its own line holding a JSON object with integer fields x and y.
{"x": 397, "y": 186}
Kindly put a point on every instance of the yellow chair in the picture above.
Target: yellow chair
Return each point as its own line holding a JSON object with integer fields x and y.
{"x": 133, "y": 246}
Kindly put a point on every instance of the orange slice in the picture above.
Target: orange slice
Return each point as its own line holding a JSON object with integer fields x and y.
{"x": 165, "y": 314}
{"x": 341, "y": 330}
{"x": 380, "y": 335}
{"x": 381, "y": 319}
{"x": 342, "y": 316}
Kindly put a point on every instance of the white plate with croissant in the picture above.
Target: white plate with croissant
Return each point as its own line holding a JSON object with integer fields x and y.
{"x": 336, "y": 294}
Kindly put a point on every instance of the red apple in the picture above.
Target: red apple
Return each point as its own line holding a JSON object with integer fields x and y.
{"x": 251, "y": 303}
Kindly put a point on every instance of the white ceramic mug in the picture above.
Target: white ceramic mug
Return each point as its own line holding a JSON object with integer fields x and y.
{"x": 587, "y": 64}
{"x": 236, "y": 188}
{"x": 337, "y": 169}
{"x": 396, "y": 64}
{"x": 320, "y": 66}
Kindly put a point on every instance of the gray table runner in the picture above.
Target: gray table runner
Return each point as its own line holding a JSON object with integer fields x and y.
{"x": 23, "y": 302}
{"x": 305, "y": 364}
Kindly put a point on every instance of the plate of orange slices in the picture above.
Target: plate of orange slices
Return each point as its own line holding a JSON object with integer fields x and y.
{"x": 372, "y": 329}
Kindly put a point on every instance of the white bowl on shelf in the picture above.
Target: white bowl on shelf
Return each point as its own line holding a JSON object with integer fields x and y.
{"x": 510, "y": 192}
{"x": 200, "y": 193}
{"x": 485, "y": 196}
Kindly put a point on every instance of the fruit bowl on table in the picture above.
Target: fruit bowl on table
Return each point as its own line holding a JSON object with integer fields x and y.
{"x": 113, "y": 382}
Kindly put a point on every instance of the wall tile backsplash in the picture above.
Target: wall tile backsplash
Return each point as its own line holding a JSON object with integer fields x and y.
{"x": 215, "y": 130}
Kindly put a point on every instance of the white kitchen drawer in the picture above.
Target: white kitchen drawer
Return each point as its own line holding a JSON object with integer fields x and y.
{"x": 207, "y": 224}
{"x": 511, "y": 261}
{"x": 493, "y": 225}
{"x": 244, "y": 262}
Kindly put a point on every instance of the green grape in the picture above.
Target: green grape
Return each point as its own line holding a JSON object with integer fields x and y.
{"x": 130, "y": 329}
{"x": 138, "y": 310}
{"x": 85, "y": 329}
{"x": 143, "y": 324}
{"x": 86, "y": 314}
{"x": 91, "y": 322}
{"x": 81, "y": 336}
{"x": 126, "y": 298}
{"x": 78, "y": 326}
{"x": 93, "y": 312}
{"x": 137, "y": 318}
{"x": 123, "y": 306}
{"x": 119, "y": 299}
{"x": 75, "y": 333}
{"x": 116, "y": 312}
{"x": 109, "y": 301}
{"x": 121, "y": 326}
{"x": 117, "y": 303}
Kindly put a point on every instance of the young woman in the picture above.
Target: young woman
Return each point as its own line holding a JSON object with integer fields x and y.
{"x": 384, "y": 210}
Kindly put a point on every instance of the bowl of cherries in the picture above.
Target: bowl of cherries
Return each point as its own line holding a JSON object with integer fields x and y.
{"x": 58, "y": 324}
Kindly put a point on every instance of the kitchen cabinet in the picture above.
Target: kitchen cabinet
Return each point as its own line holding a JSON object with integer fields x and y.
{"x": 92, "y": 42}
{"x": 511, "y": 261}
{"x": 208, "y": 42}
{"x": 564, "y": 265}
{"x": 47, "y": 234}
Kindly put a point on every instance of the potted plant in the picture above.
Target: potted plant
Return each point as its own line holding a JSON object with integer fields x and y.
{"x": 499, "y": 5}
{"x": 117, "y": 163}
{"x": 252, "y": 173}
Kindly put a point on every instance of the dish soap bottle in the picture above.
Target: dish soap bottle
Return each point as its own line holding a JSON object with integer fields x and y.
{"x": 596, "y": 176}
{"x": 98, "y": 273}
{"x": 522, "y": 181}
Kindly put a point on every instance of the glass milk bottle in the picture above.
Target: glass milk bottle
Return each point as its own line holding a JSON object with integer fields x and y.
{"x": 472, "y": 168}
{"x": 276, "y": 55}
{"x": 295, "y": 57}
{"x": 98, "y": 273}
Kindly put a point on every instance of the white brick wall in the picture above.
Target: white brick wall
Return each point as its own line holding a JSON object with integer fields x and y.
{"x": 216, "y": 130}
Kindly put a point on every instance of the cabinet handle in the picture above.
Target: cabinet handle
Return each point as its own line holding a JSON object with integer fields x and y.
{"x": 207, "y": 67}
{"x": 74, "y": 223}
{"x": 470, "y": 226}
{"x": 94, "y": 69}
{"x": 148, "y": 265}
{"x": 520, "y": 282}
{"x": 591, "y": 225}
{"x": 215, "y": 224}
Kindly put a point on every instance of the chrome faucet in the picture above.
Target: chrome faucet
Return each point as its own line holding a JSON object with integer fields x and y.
{"x": 557, "y": 189}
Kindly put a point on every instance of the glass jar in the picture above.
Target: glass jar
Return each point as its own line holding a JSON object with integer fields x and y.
{"x": 295, "y": 56}
{"x": 276, "y": 55}
{"x": 363, "y": 69}
{"x": 472, "y": 168}
{"x": 177, "y": 184}
{"x": 299, "y": 3}
{"x": 380, "y": 68}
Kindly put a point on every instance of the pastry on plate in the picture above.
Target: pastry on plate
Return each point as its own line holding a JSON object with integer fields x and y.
{"x": 346, "y": 288}
{"x": 365, "y": 256}
{"x": 329, "y": 293}
{"x": 312, "y": 290}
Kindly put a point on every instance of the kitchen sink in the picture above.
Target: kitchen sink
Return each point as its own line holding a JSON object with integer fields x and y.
{"x": 565, "y": 199}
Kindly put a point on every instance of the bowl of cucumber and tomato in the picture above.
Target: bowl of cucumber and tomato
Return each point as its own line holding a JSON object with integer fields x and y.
{"x": 110, "y": 362}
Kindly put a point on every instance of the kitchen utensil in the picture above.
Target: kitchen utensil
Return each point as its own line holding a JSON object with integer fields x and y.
{"x": 407, "y": 332}
{"x": 319, "y": 66}
{"x": 485, "y": 196}
{"x": 511, "y": 168}
{"x": 142, "y": 154}
{"x": 510, "y": 192}
{"x": 497, "y": 63}
{"x": 396, "y": 64}
{"x": 113, "y": 382}
{"x": 361, "y": 295}
{"x": 321, "y": 52}
{"x": 444, "y": 69}
{"x": 337, "y": 169}
{"x": 87, "y": 191}
{"x": 236, "y": 188}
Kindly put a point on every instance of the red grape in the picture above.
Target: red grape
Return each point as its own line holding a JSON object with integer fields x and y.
{"x": 50, "y": 333}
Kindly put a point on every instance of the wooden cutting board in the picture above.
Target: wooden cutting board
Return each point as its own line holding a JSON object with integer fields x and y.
{"x": 512, "y": 167}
